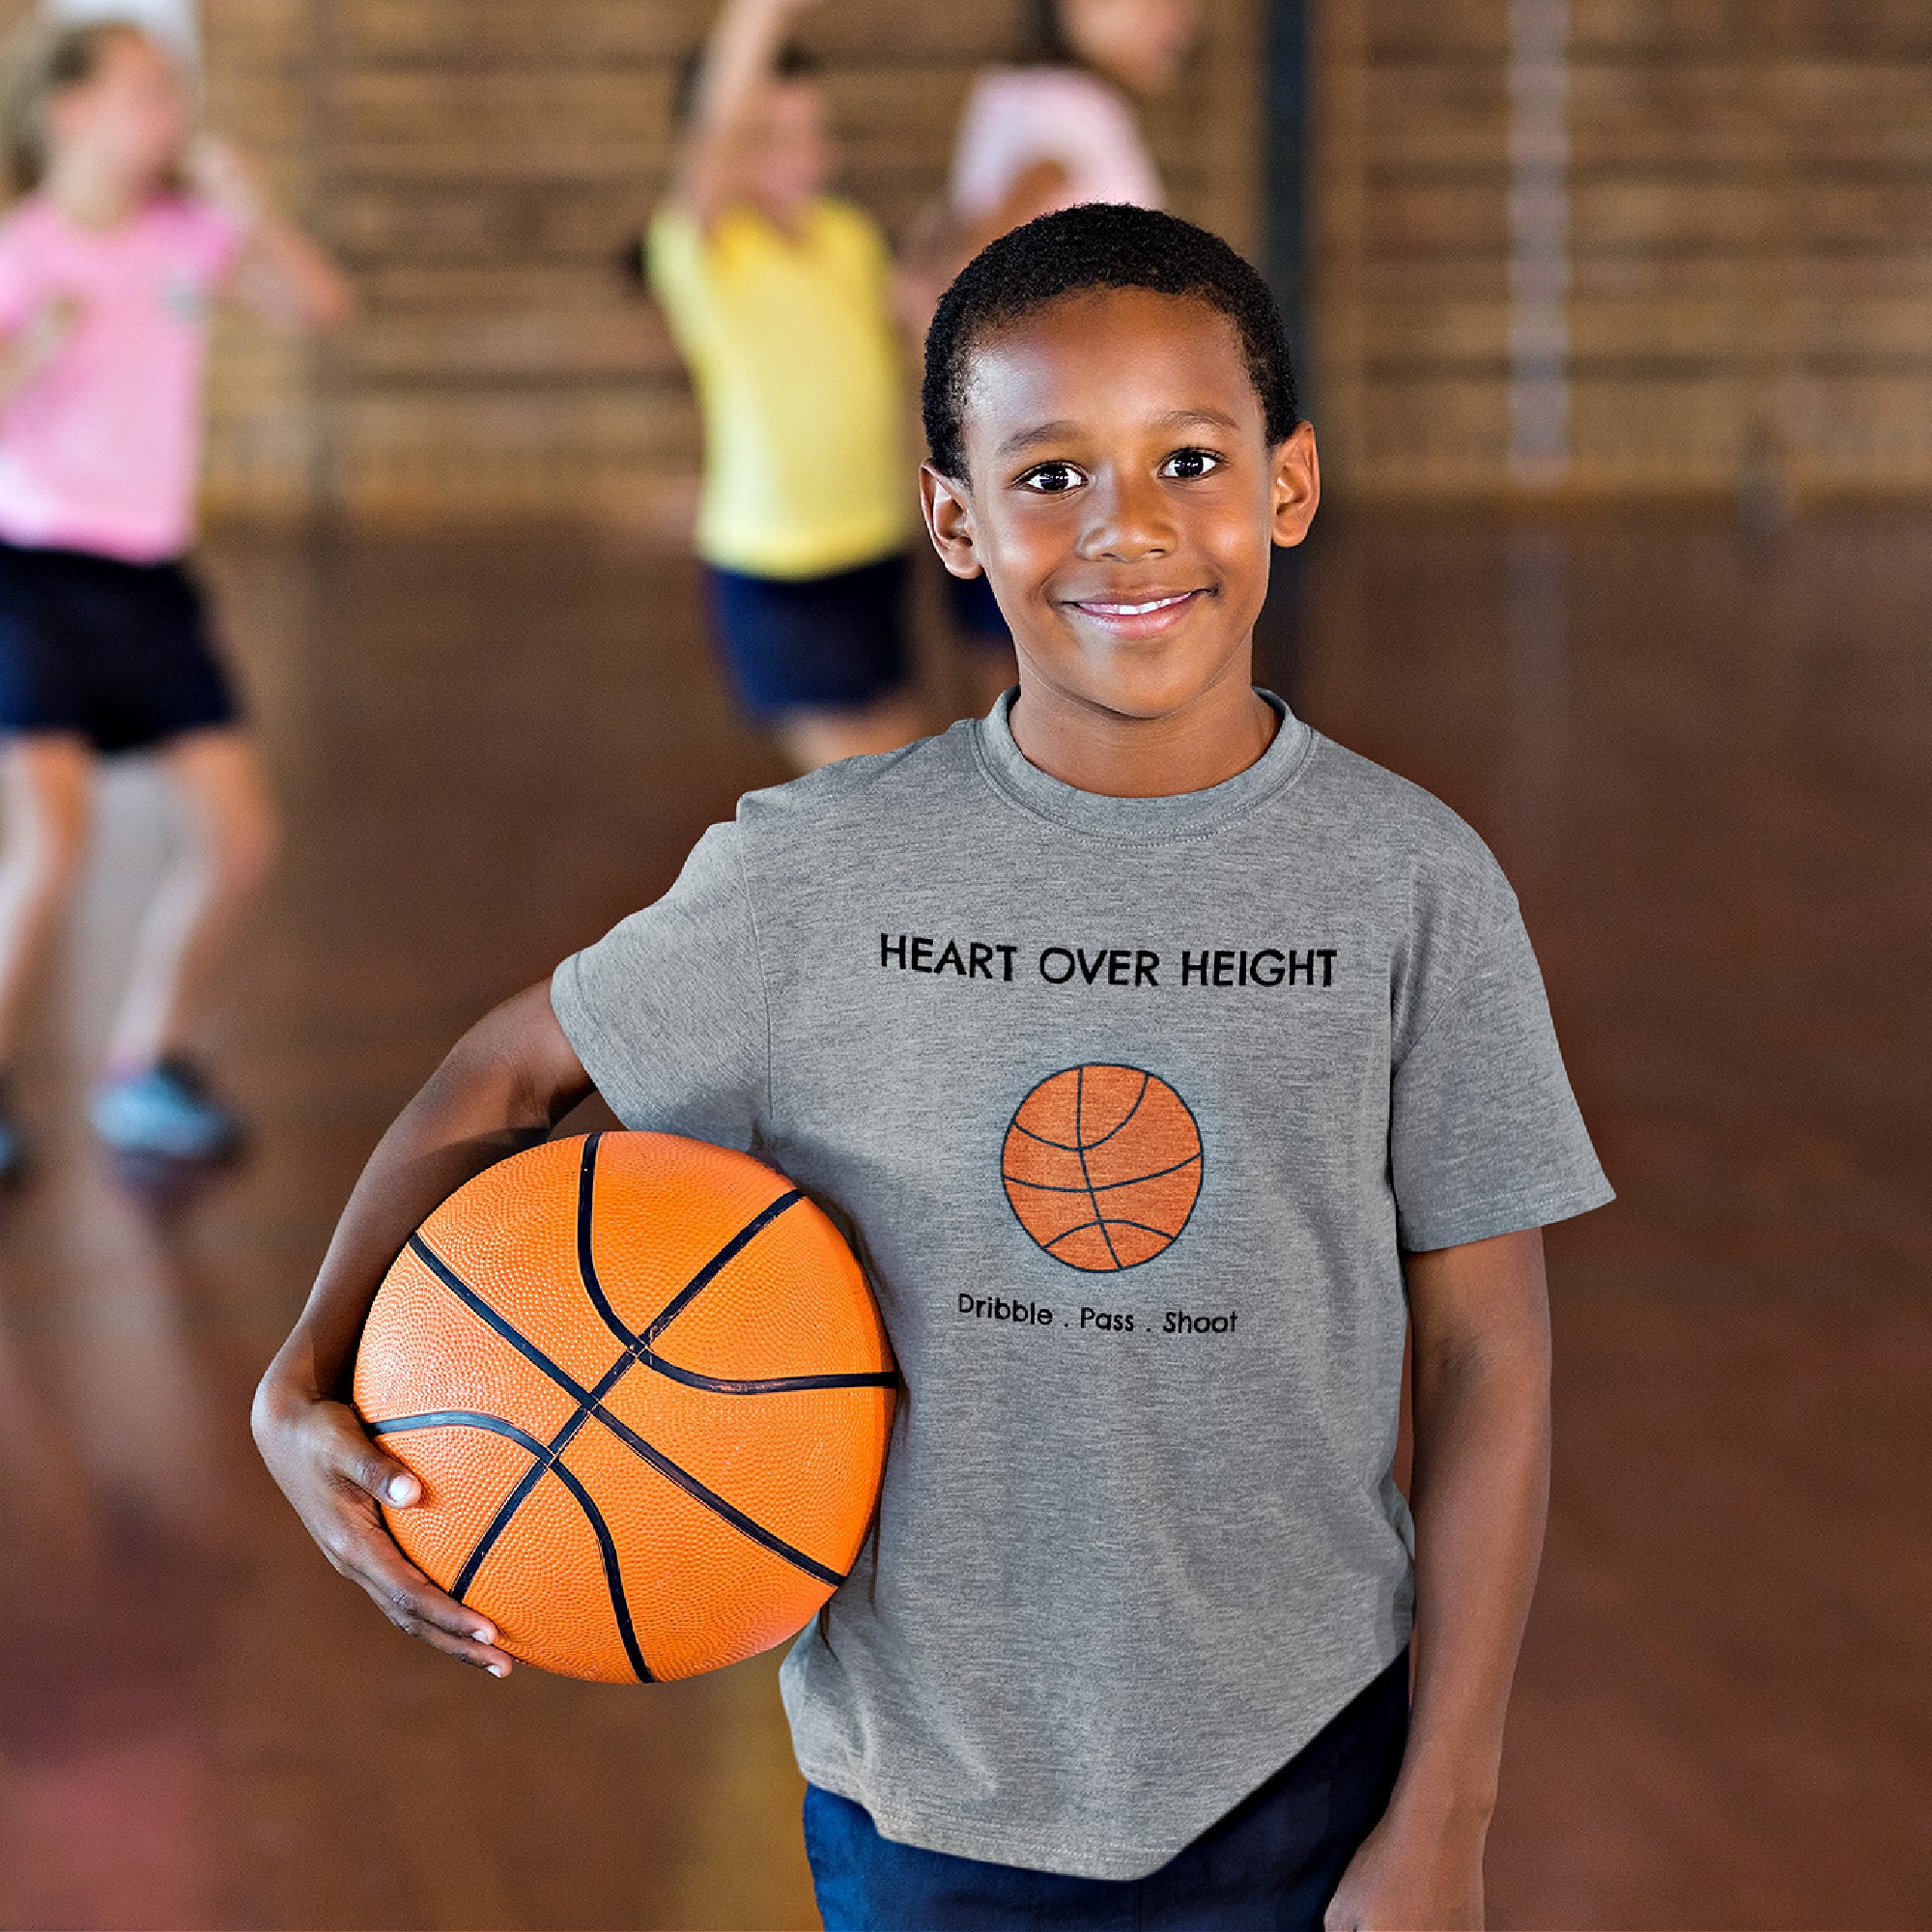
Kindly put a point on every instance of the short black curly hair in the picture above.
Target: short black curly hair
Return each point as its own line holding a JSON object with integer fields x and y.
{"x": 1100, "y": 245}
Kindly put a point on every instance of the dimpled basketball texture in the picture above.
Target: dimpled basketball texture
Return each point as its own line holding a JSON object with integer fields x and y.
{"x": 647, "y": 1393}
{"x": 1102, "y": 1165}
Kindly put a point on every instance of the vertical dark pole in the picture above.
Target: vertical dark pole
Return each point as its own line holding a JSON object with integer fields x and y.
{"x": 1284, "y": 177}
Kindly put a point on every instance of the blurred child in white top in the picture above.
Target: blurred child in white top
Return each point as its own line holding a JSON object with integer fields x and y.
{"x": 1058, "y": 128}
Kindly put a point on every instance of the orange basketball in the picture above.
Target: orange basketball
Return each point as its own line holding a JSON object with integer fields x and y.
{"x": 647, "y": 1393}
{"x": 1102, "y": 1165}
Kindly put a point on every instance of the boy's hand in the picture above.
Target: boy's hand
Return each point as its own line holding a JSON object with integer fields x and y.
{"x": 331, "y": 1469}
{"x": 504, "y": 1085}
{"x": 1403, "y": 1878}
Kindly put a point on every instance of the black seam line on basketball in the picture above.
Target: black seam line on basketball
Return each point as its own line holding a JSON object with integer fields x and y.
{"x": 549, "y": 1452}
{"x": 518, "y": 1496}
{"x": 1080, "y": 1136}
{"x": 494, "y": 1530}
{"x": 713, "y": 1501}
{"x": 477, "y": 1306}
{"x": 457, "y": 1418}
{"x": 587, "y": 1262}
{"x": 614, "y": 1576}
{"x": 1146, "y": 1080}
{"x": 648, "y": 1357}
{"x": 613, "y": 1572}
{"x": 1101, "y": 1186}
{"x": 711, "y": 1269}
{"x": 656, "y": 1457}
{"x": 641, "y": 1350}
{"x": 771, "y": 1385}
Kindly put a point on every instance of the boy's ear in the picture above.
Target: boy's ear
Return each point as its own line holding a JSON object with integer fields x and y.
{"x": 948, "y": 520}
{"x": 1295, "y": 486}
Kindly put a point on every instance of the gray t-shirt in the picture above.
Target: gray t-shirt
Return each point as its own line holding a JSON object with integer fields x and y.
{"x": 1131, "y": 1106}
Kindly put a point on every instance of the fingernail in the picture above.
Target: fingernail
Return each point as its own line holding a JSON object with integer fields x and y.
{"x": 404, "y": 1489}
{"x": 499, "y": 1670}
{"x": 483, "y": 1633}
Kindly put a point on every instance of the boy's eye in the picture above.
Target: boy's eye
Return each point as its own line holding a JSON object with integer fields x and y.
{"x": 1051, "y": 479}
{"x": 1186, "y": 465}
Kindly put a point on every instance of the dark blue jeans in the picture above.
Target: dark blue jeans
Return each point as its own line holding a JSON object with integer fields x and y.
{"x": 1273, "y": 1861}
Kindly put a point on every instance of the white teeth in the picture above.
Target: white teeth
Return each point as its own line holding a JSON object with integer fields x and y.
{"x": 1136, "y": 609}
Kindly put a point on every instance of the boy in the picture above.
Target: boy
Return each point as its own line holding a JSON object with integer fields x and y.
{"x": 781, "y": 298}
{"x": 1130, "y": 1644}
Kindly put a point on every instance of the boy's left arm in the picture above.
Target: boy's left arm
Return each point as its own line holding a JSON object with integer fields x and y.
{"x": 1480, "y": 1323}
{"x": 281, "y": 274}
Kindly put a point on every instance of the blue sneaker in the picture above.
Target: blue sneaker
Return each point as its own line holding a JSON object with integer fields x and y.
{"x": 166, "y": 1111}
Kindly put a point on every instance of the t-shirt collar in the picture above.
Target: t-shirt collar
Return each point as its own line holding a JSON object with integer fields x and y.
{"x": 1178, "y": 815}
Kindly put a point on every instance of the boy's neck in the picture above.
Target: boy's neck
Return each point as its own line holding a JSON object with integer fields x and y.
{"x": 1214, "y": 737}
{"x": 88, "y": 197}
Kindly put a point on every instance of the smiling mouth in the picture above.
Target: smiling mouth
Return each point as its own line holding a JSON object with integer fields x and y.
{"x": 1096, "y": 606}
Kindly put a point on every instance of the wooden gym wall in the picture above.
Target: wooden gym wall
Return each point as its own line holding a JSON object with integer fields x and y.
{"x": 479, "y": 164}
{"x": 1624, "y": 247}
{"x": 1603, "y": 246}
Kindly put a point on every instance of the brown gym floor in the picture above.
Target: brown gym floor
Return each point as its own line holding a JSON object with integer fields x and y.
{"x": 1703, "y": 759}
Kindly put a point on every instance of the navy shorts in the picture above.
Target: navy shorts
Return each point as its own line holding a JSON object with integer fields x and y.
{"x": 1273, "y": 1861}
{"x": 116, "y": 652}
{"x": 812, "y": 643}
{"x": 976, "y": 610}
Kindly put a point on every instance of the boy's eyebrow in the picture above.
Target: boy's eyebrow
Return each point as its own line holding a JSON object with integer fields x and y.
{"x": 1054, "y": 432}
{"x": 1202, "y": 418}
{"x": 1025, "y": 438}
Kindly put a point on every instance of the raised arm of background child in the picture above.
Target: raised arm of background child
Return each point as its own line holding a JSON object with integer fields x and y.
{"x": 281, "y": 274}
{"x": 942, "y": 243}
{"x": 737, "y": 61}
{"x": 506, "y": 1083}
{"x": 1480, "y": 1318}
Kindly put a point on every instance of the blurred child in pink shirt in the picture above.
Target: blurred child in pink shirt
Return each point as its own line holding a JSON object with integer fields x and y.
{"x": 126, "y": 231}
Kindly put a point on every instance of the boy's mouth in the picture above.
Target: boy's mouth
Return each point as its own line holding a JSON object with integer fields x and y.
{"x": 1138, "y": 616}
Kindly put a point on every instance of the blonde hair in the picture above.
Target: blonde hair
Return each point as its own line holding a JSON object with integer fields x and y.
{"x": 46, "y": 58}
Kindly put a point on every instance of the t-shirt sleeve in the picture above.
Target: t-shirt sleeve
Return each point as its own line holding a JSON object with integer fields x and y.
{"x": 667, "y": 1010}
{"x": 678, "y": 271}
{"x": 1485, "y": 1136}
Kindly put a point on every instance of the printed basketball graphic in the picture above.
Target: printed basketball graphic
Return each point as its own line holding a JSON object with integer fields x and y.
{"x": 1102, "y": 1165}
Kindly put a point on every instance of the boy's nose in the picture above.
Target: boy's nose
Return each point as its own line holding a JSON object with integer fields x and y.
{"x": 1133, "y": 524}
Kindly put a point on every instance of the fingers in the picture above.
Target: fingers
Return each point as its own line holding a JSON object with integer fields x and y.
{"x": 415, "y": 1606}
{"x": 379, "y": 1475}
{"x": 336, "y": 1475}
{"x": 350, "y": 1453}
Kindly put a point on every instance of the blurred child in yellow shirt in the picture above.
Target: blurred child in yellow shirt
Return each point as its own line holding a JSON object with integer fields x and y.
{"x": 781, "y": 298}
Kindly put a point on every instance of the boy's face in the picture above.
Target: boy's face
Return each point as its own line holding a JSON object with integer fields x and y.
{"x": 1123, "y": 498}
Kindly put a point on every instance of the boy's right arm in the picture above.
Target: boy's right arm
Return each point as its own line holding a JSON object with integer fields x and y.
{"x": 506, "y": 1083}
